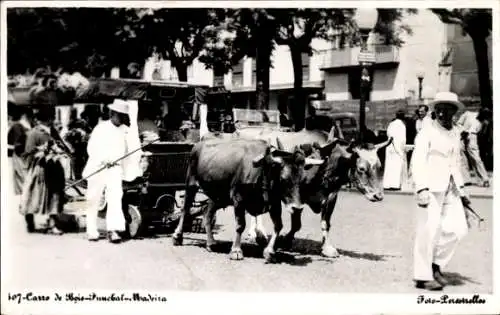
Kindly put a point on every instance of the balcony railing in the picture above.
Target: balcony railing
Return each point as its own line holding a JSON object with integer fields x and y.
{"x": 348, "y": 57}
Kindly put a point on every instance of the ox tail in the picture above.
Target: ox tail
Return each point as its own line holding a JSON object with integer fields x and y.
{"x": 192, "y": 170}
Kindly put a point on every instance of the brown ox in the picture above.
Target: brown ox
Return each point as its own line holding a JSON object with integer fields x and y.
{"x": 248, "y": 175}
{"x": 353, "y": 163}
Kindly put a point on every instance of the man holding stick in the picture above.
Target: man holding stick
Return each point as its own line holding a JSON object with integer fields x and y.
{"x": 441, "y": 217}
{"x": 107, "y": 144}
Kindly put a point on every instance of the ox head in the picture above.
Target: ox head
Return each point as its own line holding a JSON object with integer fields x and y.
{"x": 357, "y": 163}
{"x": 284, "y": 171}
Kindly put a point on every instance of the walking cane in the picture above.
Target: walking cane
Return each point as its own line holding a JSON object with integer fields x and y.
{"x": 115, "y": 161}
{"x": 474, "y": 213}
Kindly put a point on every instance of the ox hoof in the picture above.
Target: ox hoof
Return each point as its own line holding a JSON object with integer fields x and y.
{"x": 177, "y": 240}
{"x": 330, "y": 252}
{"x": 269, "y": 256}
{"x": 210, "y": 247}
{"x": 236, "y": 254}
{"x": 261, "y": 239}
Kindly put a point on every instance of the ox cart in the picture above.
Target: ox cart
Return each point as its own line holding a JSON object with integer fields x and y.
{"x": 152, "y": 203}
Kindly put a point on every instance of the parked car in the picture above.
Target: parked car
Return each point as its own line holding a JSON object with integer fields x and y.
{"x": 347, "y": 120}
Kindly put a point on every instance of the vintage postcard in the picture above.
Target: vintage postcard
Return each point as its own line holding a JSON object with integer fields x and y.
{"x": 249, "y": 157}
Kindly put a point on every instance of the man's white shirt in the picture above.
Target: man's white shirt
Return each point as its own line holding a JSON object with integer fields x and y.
{"x": 421, "y": 123}
{"x": 436, "y": 158}
{"x": 107, "y": 143}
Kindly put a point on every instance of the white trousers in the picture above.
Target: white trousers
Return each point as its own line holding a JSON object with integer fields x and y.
{"x": 110, "y": 182}
{"x": 477, "y": 163}
{"x": 440, "y": 227}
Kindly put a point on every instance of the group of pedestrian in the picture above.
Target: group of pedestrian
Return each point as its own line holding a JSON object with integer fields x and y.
{"x": 40, "y": 177}
{"x": 403, "y": 131}
{"x": 38, "y": 165}
{"x": 436, "y": 167}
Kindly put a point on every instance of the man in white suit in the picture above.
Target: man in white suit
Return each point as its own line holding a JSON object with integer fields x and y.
{"x": 441, "y": 220}
{"x": 110, "y": 140}
{"x": 471, "y": 125}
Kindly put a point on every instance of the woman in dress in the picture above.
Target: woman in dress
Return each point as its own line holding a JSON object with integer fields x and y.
{"x": 43, "y": 197}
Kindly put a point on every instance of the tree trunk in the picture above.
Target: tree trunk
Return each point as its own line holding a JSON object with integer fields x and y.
{"x": 181, "y": 68}
{"x": 263, "y": 64}
{"x": 483, "y": 70}
{"x": 262, "y": 85}
{"x": 298, "y": 109}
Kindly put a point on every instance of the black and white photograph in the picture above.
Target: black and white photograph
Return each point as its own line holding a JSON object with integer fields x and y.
{"x": 248, "y": 157}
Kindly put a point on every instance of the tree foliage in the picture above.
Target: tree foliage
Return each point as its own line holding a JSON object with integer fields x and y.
{"x": 477, "y": 23}
{"x": 174, "y": 34}
{"x": 75, "y": 39}
{"x": 296, "y": 28}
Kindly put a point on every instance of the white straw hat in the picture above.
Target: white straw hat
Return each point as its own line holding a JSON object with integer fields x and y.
{"x": 446, "y": 98}
{"x": 119, "y": 106}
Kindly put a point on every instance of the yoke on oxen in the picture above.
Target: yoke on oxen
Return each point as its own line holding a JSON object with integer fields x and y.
{"x": 346, "y": 163}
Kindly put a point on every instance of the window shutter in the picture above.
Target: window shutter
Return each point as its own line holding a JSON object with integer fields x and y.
{"x": 238, "y": 74}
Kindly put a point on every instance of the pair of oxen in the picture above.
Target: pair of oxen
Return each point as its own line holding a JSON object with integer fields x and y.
{"x": 255, "y": 174}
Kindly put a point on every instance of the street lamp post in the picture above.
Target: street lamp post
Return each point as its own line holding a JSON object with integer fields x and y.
{"x": 420, "y": 77}
{"x": 366, "y": 20}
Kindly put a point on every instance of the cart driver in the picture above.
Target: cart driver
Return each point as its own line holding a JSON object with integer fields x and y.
{"x": 107, "y": 143}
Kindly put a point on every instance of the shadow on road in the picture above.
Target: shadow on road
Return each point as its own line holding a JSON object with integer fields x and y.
{"x": 365, "y": 256}
{"x": 312, "y": 247}
{"x": 456, "y": 279}
{"x": 252, "y": 251}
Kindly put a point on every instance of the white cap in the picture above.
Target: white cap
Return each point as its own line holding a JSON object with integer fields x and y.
{"x": 119, "y": 106}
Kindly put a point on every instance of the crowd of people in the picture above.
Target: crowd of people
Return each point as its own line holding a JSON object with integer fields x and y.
{"x": 40, "y": 168}
{"x": 404, "y": 131}
{"x": 443, "y": 149}
{"x": 44, "y": 158}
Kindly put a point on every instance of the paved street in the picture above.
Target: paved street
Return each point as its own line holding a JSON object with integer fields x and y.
{"x": 375, "y": 241}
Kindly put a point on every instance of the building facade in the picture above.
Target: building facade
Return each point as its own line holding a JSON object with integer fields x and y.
{"x": 396, "y": 70}
{"x": 434, "y": 51}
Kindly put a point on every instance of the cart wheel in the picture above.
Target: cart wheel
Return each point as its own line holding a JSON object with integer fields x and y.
{"x": 135, "y": 220}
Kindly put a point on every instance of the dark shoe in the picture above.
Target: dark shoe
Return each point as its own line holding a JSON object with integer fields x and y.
{"x": 438, "y": 275}
{"x": 113, "y": 237}
{"x": 428, "y": 285}
{"x": 30, "y": 223}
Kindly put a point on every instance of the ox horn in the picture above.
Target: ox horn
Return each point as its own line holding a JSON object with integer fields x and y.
{"x": 258, "y": 159}
{"x": 310, "y": 161}
{"x": 279, "y": 144}
{"x": 383, "y": 144}
{"x": 277, "y": 159}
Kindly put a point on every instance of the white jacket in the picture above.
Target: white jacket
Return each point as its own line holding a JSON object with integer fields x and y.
{"x": 107, "y": 143}
{"x": 436, "y": 158}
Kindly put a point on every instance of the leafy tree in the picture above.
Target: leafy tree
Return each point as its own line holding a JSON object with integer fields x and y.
{"x": 74, "y": 39}
{"x": 477, "y": 23}
{"x": 298, "y": 27}
{"x": 174, "y": 34}
{"x": 239, "y": 33}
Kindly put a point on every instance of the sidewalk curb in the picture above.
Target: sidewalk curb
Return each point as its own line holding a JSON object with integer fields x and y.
{"x": 410, "y": 193}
